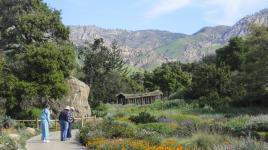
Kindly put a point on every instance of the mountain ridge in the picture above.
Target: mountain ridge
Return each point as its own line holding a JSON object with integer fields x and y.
{"x": 149, "y": 48}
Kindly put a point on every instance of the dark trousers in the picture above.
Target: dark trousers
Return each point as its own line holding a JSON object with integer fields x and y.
{"x": 69, "y": 133}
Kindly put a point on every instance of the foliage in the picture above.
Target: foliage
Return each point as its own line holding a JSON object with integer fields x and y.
{"x": 242, "y": 144}
{"x": 6, "y": 122}
{"x": 6, "y": 143}
{"x": 179, "y": 123}
{"x": 161, "y": 128}
{"x": 233, "y": 55}
{"x": 38, "y": 54}
{"x": 143, "y": 118}
{"x": 27, "y": 22}
{"x": 239, "y": 122}
{"x": 48, "y": 65}
{"x": 114, "y": 129}
{"x": 211, "y": 85}
{"x": 104, "y": 69}
{"x": 254, "y": 71}
{"x": 169, "y": 78}
{"x": 199, "y": 141}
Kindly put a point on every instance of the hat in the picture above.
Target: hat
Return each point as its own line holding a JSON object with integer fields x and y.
{"x": 67, "y": 107}
{"x": 72, "y": 108}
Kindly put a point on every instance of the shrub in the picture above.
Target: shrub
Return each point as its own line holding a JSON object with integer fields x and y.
{"x": 100, "y": 110}
{"x": 99, "y": 113}
{"x": 263, "y": 136}
{"x": 24, "y": 136}
{"x": 161, "y": 128}
{"x": 143, "y": 118}
{"x": 117, "y": 144}
{"x": 199, "y": 141}
{"x": 6, "y": 122}
{"x": 241, "y": 144}
{"x": 258, "y": 123}
{"x": 90, "y": 131}
{"x": 185, "y": 117}
{"x": 238, "y": 123}
{"x": 34, "y": 113}
{"x": 6, "y": 143}
{"x": 114, "y": 129}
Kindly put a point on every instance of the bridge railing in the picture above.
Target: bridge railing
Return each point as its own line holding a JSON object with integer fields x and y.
{"x": 55, "y": 123}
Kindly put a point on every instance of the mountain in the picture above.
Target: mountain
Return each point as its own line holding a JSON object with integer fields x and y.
{"x": 149, "y": 48}
{"x": 138, "y": 46}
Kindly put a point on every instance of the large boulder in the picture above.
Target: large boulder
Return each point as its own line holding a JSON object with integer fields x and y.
{"x": 77, "y": 97}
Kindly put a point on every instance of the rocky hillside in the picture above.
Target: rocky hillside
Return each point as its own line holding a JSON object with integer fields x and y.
{"x": 138, "y": 46}
{"x": 148, "y": 48}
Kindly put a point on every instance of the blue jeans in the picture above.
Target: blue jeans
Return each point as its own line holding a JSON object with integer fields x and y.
{"x": 64, "y": 125}
{"x": 69, "y": 133}
{"x": 44, "y": 129}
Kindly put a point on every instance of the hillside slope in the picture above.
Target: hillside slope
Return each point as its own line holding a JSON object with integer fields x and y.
{"x": 148, "y": 48}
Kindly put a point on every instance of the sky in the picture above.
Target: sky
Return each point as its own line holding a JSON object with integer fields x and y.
{"x": 181, "y": 16}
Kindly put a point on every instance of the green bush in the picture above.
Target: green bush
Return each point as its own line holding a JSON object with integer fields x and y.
{"x": 6, "y": 122}
{"x": 241, "y": 144}
{"x": 258, "y": 123}
{"x": 114, "y": 129}
{"x": 100, "y": 110}
{"x": 99, "y": 113}
{"x": 199, "y": 141}
{"x": 161, "y": 128}
{"x": 24, "y": 136}
{"x": 34, "y": 113}
{"x": 143, "y": 118}
{"x": 90, "y": 131}
{"x": 6, "y": 143}
{"x": 238, "y": 123}
{"x": 263, "y": 136}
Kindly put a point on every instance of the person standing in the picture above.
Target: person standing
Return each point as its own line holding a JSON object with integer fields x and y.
{"x": 71, "y": 120}
{"x": 64, "y": 124}
{"x": 45, "y": 121}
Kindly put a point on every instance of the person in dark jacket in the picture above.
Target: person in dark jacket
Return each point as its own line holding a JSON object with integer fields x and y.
{"x": 71, "y": 120}
{"x": 64, "y": 124}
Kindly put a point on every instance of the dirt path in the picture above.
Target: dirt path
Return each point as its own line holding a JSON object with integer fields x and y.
{"x": 55, "y": 143}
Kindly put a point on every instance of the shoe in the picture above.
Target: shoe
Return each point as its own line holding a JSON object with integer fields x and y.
{"x": 47, "y": 141}
{"x": 44, "y": 141}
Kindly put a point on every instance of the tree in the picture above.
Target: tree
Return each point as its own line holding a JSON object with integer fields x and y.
{"x": 255, "y": 69}
{"x": 99, "y": 62}
{"x": 211, "y": 85}
{"x": 233, "y": 54}
{"x": 25, "y": 22}
{"x": 169, "y": 78}
{"x": 39, "y": 54}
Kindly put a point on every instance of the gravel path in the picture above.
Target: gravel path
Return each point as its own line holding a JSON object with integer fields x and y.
{"x": 55, "y": 144}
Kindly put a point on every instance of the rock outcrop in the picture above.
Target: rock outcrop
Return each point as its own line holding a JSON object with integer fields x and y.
{"x": 77, "y": 97}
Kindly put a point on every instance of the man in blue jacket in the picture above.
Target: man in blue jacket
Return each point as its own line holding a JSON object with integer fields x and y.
{"x": 64, "y": 124}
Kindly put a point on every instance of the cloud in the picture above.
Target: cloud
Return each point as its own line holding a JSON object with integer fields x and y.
{"x": 227, "y": 12}
{"x": 163, "y": 7}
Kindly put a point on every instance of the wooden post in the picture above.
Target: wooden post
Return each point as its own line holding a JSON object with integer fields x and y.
{"x": 56, "y": 124}
{"x": 37, "y": 123}
{"x": 82, "y": 122}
